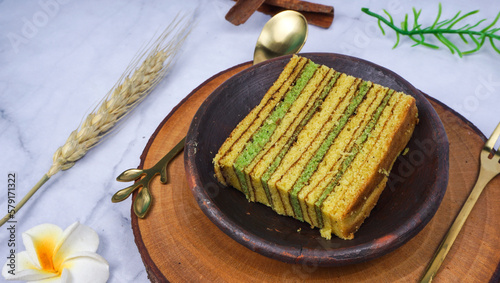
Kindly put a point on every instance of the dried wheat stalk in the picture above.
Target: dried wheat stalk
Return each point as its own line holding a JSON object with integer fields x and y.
{"x": 132, "y": 87}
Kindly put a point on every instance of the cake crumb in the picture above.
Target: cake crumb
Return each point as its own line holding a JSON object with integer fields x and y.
{"x": 405, "y": 151}
{"x": 298, "y": 230}
{"x": 346, "y": 153}
{"x": 383, "y": 171}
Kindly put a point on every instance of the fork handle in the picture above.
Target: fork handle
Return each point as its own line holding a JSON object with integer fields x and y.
{"x": 484, "y": 177}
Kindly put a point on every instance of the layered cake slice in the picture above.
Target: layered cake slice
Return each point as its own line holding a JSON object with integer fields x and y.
{"x": 318, "y": 147}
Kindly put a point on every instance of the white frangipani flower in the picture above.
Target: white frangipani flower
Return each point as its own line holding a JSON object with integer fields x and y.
{"x": 54, "y": 255}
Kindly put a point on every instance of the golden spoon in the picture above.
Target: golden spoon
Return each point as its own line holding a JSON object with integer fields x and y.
{"x": 285, "y": 33}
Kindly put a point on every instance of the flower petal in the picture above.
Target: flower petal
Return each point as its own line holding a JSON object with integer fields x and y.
{"x": 23, "y": 268}
{"x": 60, "y": 279}
{"x": 86, "y": 267}
{"x": 40, "y": 243}
{"x": 76, "y": 238}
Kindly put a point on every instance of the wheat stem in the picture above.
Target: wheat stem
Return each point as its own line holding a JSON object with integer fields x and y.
{"x": 20, "y": 204}
{"x": 133, "y": 86}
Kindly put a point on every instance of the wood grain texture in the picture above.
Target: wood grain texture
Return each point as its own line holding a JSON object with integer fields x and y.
{"x": 242, "y": 10}
{"x": 318, "y": 18}
{"x": 301, "y": 6}
{"x": 316, "y": 14}
{"x": 178, "y": 242}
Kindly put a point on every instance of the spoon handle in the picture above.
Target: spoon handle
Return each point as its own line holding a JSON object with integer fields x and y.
{"x": 161, "y": 166}
{"x": 143, "y": 178}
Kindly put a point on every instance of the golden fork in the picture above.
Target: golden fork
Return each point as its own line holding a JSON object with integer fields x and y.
{"x": 490, "y": 167}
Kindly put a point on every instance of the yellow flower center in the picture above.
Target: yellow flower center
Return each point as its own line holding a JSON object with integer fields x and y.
{"x": 45, "y": 252}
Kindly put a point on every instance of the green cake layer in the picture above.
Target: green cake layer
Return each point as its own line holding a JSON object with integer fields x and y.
{"x": 263, "y": 134}
{"x": 314, "y": 147}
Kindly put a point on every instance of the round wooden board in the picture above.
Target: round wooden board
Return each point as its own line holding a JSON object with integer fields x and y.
{"x": 177, "y": 242}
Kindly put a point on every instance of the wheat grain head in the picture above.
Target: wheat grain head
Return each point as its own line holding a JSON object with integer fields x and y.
{"x": 132, "y": 87}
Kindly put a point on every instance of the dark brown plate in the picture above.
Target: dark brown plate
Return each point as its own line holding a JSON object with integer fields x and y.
{"x": 415, "y": 189}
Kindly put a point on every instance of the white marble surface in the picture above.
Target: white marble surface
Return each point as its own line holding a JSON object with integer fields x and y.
{"x": 76, "y": 50}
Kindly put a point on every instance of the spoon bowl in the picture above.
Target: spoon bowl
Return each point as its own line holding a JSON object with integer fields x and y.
{"x": 285, "y": 33}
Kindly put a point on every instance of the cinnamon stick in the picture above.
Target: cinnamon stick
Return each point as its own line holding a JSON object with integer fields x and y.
{"x": 316, "y": 14}
{"x": 301, "y": 6}
{"x": 242, "y": 10}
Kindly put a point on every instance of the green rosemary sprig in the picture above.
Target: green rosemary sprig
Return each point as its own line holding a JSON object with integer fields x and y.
{"x": 440, "y": 28}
